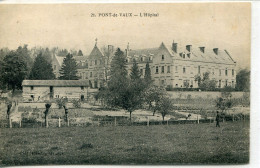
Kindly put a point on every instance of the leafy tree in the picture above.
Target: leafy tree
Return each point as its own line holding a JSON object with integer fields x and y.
{"x": 63, "y": 52}
{"x": 223, "y": 104}
{"x": 198, "y": 79}
{"x": 14, "y": 70}
{"x": 46, "y": 112}
{"x": 61, "y": 102}
{"x": 165, "y": 106}
{"x": 42, "y": 69}
{"x": 132, "y": 99}
{"x": 3, "y": 53}
{"x": 135, "y": 73}
{"x": 152, "y": 96}
{"x": 118, "y": 79}
{"x": 24, "y": 53}
{"x": 80, "y": 53}
{"x": 68, "y": 70}
{"x": 147, "y": 74}
{"x": 205, "y": 83}
{"x": 243, "y": 80}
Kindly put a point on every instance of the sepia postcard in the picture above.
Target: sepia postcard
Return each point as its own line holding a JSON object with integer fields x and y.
{"x": 125, "y": 83}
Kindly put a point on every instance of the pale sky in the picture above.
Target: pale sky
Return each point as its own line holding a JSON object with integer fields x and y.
{"x": 213, "y": 25}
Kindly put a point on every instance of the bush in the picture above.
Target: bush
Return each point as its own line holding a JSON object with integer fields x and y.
{"x": 61, "y": 102}
{"x": 76, "y": 103}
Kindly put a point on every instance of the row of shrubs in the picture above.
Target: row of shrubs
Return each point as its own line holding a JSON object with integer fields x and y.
{"x": 171, "y": 88}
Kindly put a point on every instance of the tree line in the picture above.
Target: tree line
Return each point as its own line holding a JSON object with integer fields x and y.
{"x": 35, "y": 64}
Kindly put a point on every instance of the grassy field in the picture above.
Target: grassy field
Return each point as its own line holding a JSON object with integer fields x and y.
{"x": 162, "y": 144}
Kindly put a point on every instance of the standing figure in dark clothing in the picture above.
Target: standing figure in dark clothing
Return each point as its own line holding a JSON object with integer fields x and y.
{"x": 217, "y": 120}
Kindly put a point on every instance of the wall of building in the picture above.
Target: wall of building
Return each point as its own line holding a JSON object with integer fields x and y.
{"x": 36, "y": 93}
{"x": 41, "y": 93}
{"x": 69, "y": 92}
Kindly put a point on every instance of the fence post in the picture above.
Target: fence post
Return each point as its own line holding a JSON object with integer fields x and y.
{"x": 148, "y": 121}
{"x": 10, "y": 123}
{"x": 59, "y": 122}
{"x": 115, "y": 121}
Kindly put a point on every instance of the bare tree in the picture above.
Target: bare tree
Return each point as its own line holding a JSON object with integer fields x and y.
{"x": 46, "y": 112}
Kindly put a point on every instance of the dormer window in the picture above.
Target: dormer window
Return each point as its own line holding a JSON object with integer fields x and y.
{"x": 162, "y": 57}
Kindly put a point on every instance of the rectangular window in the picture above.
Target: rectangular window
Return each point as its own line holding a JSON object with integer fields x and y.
{"x": 162, "y": 69}
{"x": 176, "y": 68}
{"x": 168, "y": 69}
{"x": 219, "y": 72}
{"x": 82, "y": 87}
{"x": 226, "y": 72}
{"x": 184, "y": 70}
{"x": 233, "y": 84}
{"x": 32, "y": 87}
{"x": 233, "y": 72}
{"x": 226, "y": 83}
{"x": 157, "y": 70}
{"x": 90, "y": 74}
{"x": 162, "y": 57}
{"x": 199, "y": 69}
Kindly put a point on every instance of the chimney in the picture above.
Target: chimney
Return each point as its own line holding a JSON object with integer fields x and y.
{"x": 202, "y": 49}
{"x": 175, "y": 47}
{"x": 110, "y": 48}
{"x": 188, "y": 47}
{"x": 215, "y": 50}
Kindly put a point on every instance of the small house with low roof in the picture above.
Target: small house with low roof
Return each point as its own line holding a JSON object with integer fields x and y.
{"x": 41, "y": 90}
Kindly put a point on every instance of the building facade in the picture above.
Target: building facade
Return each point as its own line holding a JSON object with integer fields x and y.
{"x": 173, "y": 66}
{"x": 177, "y": 66}
{"x": 40, "y": 90}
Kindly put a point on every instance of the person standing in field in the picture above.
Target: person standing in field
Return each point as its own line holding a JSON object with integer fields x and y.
{"x": 217, "y": 120}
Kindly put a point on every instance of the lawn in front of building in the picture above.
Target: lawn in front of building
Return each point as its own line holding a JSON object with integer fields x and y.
{"x": 160, "y": 144}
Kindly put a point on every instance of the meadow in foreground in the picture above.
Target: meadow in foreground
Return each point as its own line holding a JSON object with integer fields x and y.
{"x": 160, "y": 144}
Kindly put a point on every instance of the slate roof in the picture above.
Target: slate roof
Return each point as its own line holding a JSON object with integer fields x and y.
{"x": 143, "y": 52}
{"x": 80, "y": 58}
{"x": 223, "y": 56}
{"x": 65, "y": 83}
{"x": 95, "y": 53}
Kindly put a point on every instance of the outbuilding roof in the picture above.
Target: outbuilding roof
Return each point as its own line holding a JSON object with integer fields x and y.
{"x": 65, "y": 83}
